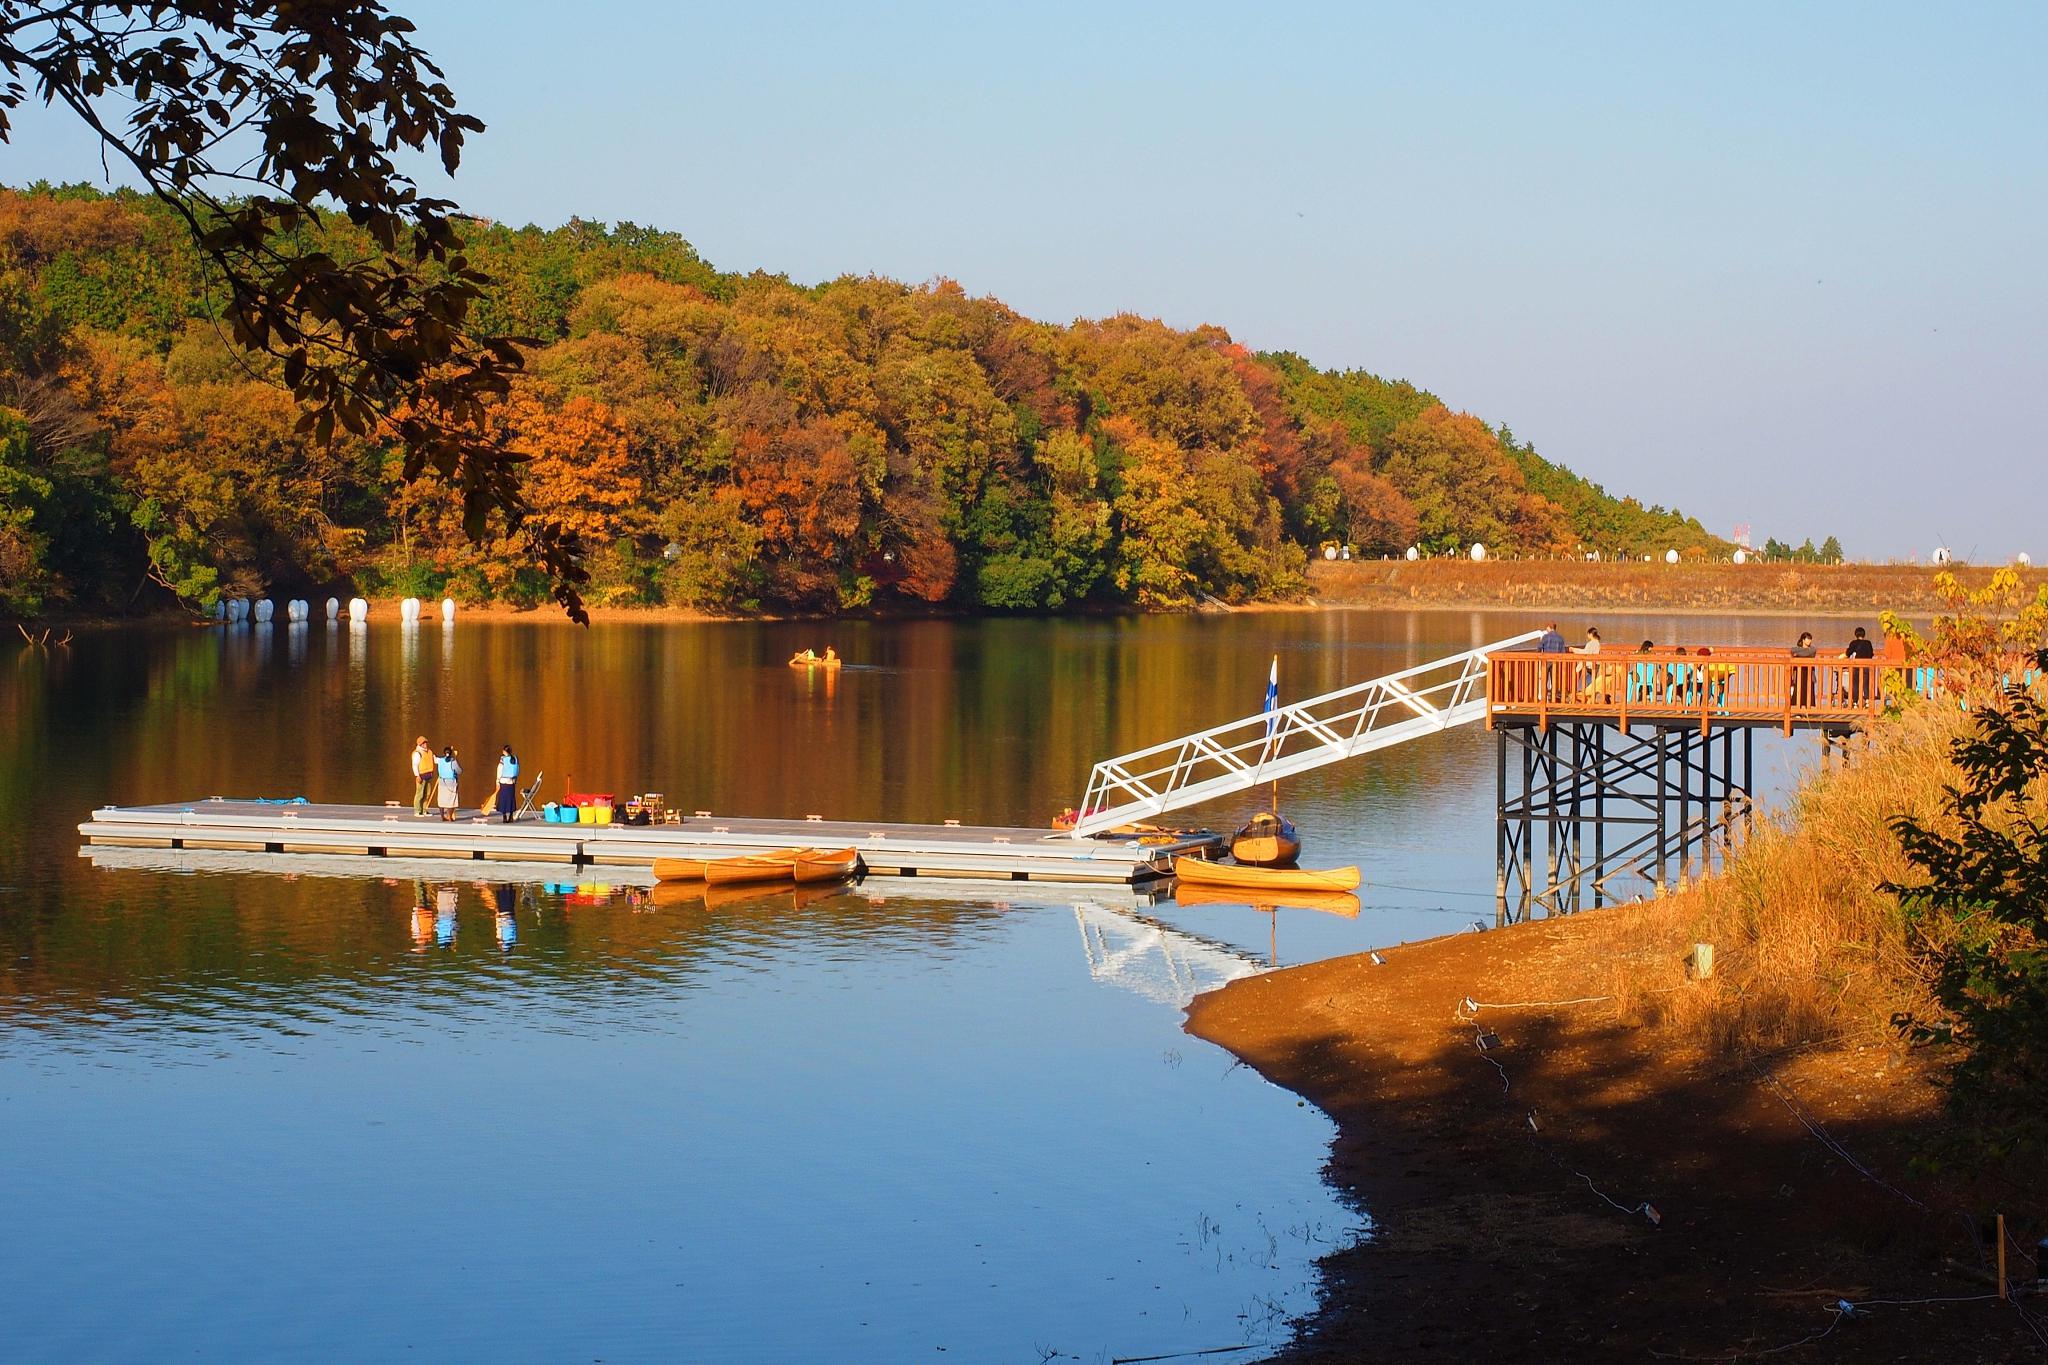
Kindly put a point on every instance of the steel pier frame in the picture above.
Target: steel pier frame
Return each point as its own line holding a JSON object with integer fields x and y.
{"x": 1653, "y": 798}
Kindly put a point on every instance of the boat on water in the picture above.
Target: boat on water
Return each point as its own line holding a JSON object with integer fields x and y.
{"x": 818, "y": 866}
{"x": 1268, "y": 839}
{"x": 810, "y": 660}
{"x": 679, "y": 869}
{"x": 745, "y": 867}
{"x": 776, "y": 866}
{"x": 1340, "y": 903}
{"x": 1201, "y": 872}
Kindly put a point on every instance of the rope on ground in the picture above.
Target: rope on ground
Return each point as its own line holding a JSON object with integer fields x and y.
{"x": 1827, "y": 1139}
{"x": 1472, "y": 1004}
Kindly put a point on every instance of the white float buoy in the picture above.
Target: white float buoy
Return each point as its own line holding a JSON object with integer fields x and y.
{"x": 2023, "y": 559}
{"x": 448, "y": 609}
{"x": 1940, "y": 555}
{"x": 1414, "y": 553}
{"x": 1329, "y": 552}
{"x": 358, "y": 610}
{"x": 333, "y": 607}
{"x": 265, "y": 610}
{"x": 1671, "y": 556}
{"x": 220, "y": 608}
{"x": 409, "y": 610}
{"x": 1742, "y": 556}
{"x": 1478, "y": 552}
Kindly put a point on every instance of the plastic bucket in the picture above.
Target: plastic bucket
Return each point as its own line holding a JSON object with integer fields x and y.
{"x": 604, "y": 815}
{"x": 586, "y": 815}
{"x": 551, "y": 813}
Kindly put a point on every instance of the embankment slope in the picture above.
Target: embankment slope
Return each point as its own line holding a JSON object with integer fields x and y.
{"x": 1494, "y": 1232}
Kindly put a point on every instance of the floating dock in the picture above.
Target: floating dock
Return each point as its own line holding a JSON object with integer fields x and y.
{"x": 980, "y": 852}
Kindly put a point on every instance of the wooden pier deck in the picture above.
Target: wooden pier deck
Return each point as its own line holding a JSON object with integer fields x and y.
{"x": 888, "y": 848}
{"x": 1734, "y": 687}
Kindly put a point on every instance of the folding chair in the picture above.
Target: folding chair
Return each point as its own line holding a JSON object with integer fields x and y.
{"x": 526, "y": 797}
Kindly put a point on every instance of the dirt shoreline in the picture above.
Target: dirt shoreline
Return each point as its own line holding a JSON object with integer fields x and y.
{"x": 1488, "y": 1174}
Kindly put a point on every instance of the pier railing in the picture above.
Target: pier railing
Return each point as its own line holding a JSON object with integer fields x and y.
{"x": 1270, "y": 745}
{"x": 1733, "y": 684}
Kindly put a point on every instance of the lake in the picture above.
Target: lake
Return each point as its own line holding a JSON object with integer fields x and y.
{"x": 273, "y": 1108}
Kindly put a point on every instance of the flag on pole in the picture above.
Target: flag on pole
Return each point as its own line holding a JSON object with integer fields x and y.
{"x": 1273, "y": 697}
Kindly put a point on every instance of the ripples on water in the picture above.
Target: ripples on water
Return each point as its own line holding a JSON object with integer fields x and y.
{"x": 256, "y": 1113}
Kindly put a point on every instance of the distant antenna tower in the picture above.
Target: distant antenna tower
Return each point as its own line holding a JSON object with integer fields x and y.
{"x": 1741, "y": 536}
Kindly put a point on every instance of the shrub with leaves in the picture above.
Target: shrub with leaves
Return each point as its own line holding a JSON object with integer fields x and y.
{"x": 1981, "y": 914}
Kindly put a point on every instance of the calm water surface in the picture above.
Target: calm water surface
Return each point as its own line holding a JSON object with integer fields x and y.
{"x": 267, "y": 1109}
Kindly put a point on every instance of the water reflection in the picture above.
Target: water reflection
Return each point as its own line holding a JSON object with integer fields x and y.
{"x": 835, "y": 1123}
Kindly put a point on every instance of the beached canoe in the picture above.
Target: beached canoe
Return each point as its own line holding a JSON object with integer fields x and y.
{"x": 1200, "y": 872}
{"x": 1341, "y": 903}
{"x": 826, "y": 865}
{"x": 779, "y": 865}
{"x": 1268, "y": 839}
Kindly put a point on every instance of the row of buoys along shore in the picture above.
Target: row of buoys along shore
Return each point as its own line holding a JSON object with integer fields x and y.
{"x": 236, "y": 610}
{"x": 409, "y": 610}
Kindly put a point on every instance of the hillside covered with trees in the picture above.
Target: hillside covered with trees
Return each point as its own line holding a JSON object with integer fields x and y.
{"x": 728, "y": 442}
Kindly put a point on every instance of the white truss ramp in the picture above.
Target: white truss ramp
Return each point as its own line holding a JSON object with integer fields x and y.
{"x": 1270, "y": 745}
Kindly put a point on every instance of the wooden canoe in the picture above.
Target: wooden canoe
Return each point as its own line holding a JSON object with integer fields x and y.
{"x": 1200, "y": 872}
{"x": 778, "y": 865}
{"x": 679, "y": 869}
{"x": 1268, "y": 839}
{"x": 826, "y": 865}
{"x": 1341, "y": 903}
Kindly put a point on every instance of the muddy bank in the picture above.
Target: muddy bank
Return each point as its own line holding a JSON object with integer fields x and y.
{"x": 1507, "y": 1186}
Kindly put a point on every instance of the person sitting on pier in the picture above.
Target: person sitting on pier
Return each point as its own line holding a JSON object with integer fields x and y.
{"x": 1642, "y": 677}
{"x": 1714, "y": 677}
{"x": 1590, "y": 677}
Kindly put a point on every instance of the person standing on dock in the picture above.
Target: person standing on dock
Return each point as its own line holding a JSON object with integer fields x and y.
{"x": 446, "y": 772}
{"x": 422, "y": 775}
{"x": 508, "y": 784}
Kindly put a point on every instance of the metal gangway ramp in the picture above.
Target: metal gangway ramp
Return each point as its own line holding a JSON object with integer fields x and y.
{"x": 1270, "y": 745}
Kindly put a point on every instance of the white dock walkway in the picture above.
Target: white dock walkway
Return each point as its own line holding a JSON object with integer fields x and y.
{"x": 888, "y": 849}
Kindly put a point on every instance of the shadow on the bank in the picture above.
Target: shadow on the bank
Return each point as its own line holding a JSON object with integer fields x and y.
{"x": 1611, "y": 1201}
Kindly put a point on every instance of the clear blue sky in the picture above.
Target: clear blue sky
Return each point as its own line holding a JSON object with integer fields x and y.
{"x": 1773, "y": 264}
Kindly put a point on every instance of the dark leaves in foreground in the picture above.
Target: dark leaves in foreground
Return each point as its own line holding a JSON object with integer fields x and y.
{"x": 1982, "y": 909}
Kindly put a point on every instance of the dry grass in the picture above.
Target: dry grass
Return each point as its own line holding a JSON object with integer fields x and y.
{"x": 1806, "y": 946}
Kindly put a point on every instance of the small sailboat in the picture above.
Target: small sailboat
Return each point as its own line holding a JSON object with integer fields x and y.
{"x": 1268, "y": 839}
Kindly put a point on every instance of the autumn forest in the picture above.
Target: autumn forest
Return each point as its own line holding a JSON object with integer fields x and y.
{"x": 732, "y": 443}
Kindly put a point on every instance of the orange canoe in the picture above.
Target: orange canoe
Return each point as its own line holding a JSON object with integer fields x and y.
{"x": 679, "y": 869}
{"x": 1201, "y": 872}
{"x": 778, "y": 865}
{"x": 828, "y": 865}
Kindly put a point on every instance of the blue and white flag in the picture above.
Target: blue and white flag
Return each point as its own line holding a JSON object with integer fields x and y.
{"x": 1273, "y": 697}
